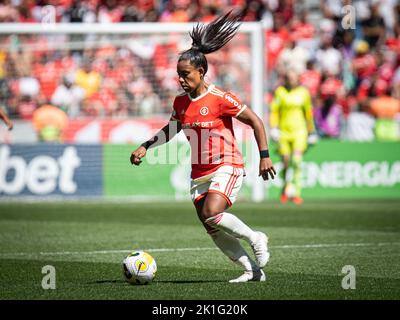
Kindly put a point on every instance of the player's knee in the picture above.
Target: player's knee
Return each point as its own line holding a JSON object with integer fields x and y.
{"x": 209, "y": 212}
{"x": 297, "y": 159}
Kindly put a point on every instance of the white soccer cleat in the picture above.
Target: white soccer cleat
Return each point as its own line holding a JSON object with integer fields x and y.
{"x": 250, "y": 276}
{"x": 260, "y": 249}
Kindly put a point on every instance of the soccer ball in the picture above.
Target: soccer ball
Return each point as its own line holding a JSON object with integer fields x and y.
{"x": 139, "y": 267}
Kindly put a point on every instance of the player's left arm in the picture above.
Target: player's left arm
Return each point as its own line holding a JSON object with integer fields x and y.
{"x": 308, "y": 113}
{"x": 248, "y": 117}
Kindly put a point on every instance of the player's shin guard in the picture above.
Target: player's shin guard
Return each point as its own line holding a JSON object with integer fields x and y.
{"x": 233, "y": 225}
{"x": 232, "y": 248}
{"x": 297, "y": 160}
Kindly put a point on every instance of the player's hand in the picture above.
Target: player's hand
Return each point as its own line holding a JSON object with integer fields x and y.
{"x": 10, "y": 126}
{"x": 275, "y": 134}
{"x": 137, "y": 155}
{"x": 312, "y": 138}
{"x": 267, "y": 169}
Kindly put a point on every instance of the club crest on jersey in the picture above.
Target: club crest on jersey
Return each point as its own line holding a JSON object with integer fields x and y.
{"x": 204, "y": 111}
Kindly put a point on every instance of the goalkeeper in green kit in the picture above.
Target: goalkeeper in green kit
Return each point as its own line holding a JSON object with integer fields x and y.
{"x": 292, "y": 127}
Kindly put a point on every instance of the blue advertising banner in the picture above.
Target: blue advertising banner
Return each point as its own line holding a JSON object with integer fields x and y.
{"x": 45, "y": 169}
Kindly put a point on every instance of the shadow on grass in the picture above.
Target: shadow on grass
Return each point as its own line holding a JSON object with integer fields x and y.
{"x": 158, "y": 281}
{"x": 190, "y": 281}
{"x": 106, "y": 281}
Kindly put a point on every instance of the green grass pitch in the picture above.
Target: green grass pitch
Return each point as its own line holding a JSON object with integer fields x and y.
{"x": 309, "y": 246}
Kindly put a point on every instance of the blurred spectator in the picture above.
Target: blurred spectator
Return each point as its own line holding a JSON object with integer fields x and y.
{"x": 328, "y": 57}
{"x": 88, "y": 79}
{"x": 311, "y": 78}
{"x": 209, "y": 9}
{"x": 286, "y": 9}
{"x": 371, "y": 88}
{"x": 28, "y": 86}
{"x": 386, "y": 65}
{"x": 364, "y": 64}
{"x": 78, "y": 12}
{"x": 327, "y": 28}
{"x": 102, "y": 102}
{"x": 346, "y": 45}
{"x": 49, "y": 123}
{"x": 25, "y": 14}
{"x": 68, "y": 97}
{"x": 269, "y": 13}
{"x": 385, "y": 108}
{"x": 178, "y": 11}
{"x": 303, "y": 30}
{"x": 374, "y": 27}
{"x": 21, "y": 59}
{"x": 48, "y": 71}
{"x": 8, "y": 12}
{"x": 26, "y": 107}
{"x": 331, "y": 9}
{"x": 293, "y": 57}
{"x": 328, "y": 118}
{"x": 275, "y": 41}
{"x": 388, "y": 13}
{"x": 109, "y": 12}
{"x": 331, "y": 85}
{"x": 252, "y": 9}
{"x": 131, "y": 14}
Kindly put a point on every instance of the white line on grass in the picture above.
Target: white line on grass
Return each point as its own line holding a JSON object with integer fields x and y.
{"x": 305, "y": 246}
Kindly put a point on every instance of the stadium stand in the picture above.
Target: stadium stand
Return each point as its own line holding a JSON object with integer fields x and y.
{"x": 351, "y": 72}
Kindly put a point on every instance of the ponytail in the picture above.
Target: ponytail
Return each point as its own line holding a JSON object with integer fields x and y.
{"x": 210, "y": 38}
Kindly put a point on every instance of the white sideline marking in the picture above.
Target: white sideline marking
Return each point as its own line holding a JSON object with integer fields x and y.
{"x": 305, "y": 246}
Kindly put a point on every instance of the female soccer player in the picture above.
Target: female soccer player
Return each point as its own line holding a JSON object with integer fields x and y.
{"x": 292, "y": 126}
{"x": 205, "y": 112}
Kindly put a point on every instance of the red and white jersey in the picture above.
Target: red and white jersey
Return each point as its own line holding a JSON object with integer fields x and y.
{"x": 207, "y": 124}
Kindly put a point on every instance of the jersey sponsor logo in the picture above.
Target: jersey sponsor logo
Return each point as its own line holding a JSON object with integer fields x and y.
{"x": 233, "y": 101}
{"x": 197, "y": 124}
{"x": 204, "y": 111}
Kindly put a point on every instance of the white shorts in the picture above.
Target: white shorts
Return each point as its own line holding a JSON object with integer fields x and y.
{"x": 226, "y": 181}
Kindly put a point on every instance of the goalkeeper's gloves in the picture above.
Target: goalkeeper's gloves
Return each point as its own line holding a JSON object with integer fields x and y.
{"x": 312, "y": 138}
{"x": 275, "y": 134}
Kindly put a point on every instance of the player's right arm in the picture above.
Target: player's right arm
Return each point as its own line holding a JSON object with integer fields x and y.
{"x": 163, "y": 136}
{"x": 6, "y": 120}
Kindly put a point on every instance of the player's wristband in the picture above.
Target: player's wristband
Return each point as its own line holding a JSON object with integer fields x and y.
{"x": 264, "y": 154}
{"x": 146, "y": 144}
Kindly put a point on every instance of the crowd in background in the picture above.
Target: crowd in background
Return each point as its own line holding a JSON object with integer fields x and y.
{"x": 351, "y": 67}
